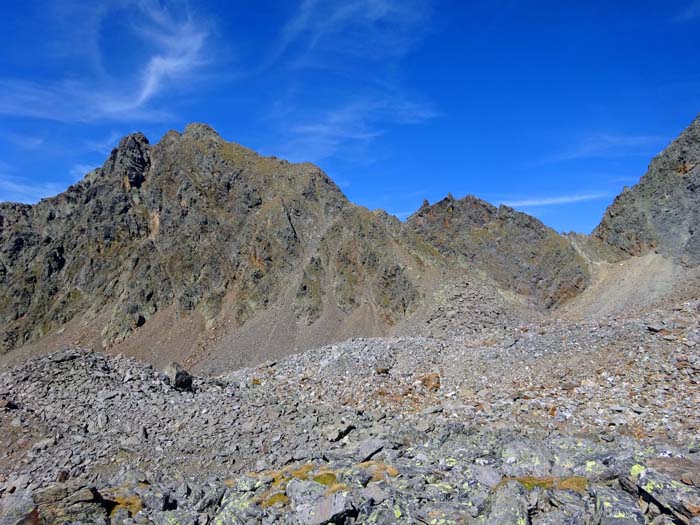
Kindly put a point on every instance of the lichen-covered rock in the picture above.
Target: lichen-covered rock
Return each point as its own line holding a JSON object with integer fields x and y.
{"x": 672, "y": 495}
{"x": 509, "y": 504}
{"x": 613, "y": 507}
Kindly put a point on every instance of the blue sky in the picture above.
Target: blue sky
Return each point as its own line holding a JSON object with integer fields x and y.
{"x": 549, "y": 106}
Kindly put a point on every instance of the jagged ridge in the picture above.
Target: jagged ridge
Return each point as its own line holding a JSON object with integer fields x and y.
{"x": 200, "y": 228}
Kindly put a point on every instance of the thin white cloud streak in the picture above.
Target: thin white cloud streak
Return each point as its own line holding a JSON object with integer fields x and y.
{"x": 14, "y": 189}
{"x": 606, "y": 145}
{"x": 78, "y": 171}
{"x": 23, "y": 141}
{"x": 555, "y": 201}
{"x": 371, "y": 29}
{"x": 355, "y": 124}
{"x": 104, "y": 145}
{"x": 341, "y": 37}
{"x": 176, "y": 52}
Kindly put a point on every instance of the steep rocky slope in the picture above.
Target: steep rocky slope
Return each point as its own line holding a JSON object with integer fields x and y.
{"x": 516, "y": 250}
{"x": 201, "y": 250}
{"x": 197, "y": 223}
{"x": 662, "y": 212}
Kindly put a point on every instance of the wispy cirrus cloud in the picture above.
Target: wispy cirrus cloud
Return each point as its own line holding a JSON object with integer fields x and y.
{"x": 605, "y": 145}
{"x": 105, "y": 144}
{"x": 23, "y": 141}
{"x": 352, "y": 40}
{"x": 349, "y": 127}
{"x": 17, "y": 189}
{"x": 78, "y": 171}
{"x": 175, "y": 45}
{"x": 374, "y": 29}
{"x": 556, "y": 200}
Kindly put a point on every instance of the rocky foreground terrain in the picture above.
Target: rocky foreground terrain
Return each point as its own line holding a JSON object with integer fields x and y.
{"x": 549, "y": 422}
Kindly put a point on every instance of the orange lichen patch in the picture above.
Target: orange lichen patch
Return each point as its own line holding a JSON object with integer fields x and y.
{"x": 255, "y": 381}
{"x": 277, "y": 498}
{"x": 280, "y": 478}
{"x": 302, "y": 472}
{"x": 132, "y": 504}
{"x": 685, "y": 168}
{"x": 337, "y": 487}
{"x": 430, "y": 381}
{"x": 379, "y": 470}
{"x": 276, "y": 494}
{"x": 575, "y": 483}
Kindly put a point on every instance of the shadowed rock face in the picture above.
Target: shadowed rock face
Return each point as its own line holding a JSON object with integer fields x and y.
{"x": 661, "y": 212}
{"x": 206, "y": 226}
{"x": 515, "y": 249}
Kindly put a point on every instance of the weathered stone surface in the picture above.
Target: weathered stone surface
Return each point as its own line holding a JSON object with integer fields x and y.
{"x": 615, "y": 508}
{"x": 673, "y": 496}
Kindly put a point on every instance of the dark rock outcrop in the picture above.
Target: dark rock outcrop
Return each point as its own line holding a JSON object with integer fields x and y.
{"x": 661, "y": 212}
{"x": 515, "y": 249}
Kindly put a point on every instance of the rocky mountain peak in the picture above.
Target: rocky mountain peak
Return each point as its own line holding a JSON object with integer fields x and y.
{"x": 198, "y": 228}
{"x": 516, "y": 249}
{"x": 201, "y": 131}
{"x": 129, "y": 160}
{"x": 661, "y": 212}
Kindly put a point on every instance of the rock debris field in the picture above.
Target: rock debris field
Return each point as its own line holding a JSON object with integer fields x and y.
{"x": 549, "y": 422}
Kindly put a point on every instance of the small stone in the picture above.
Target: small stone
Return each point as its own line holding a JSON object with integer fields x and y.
{"x": 43, "y": 444}
{"x": 487, "y": 476}
{"x": 374, "y": 494}
{"x": 6, "y": 404}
